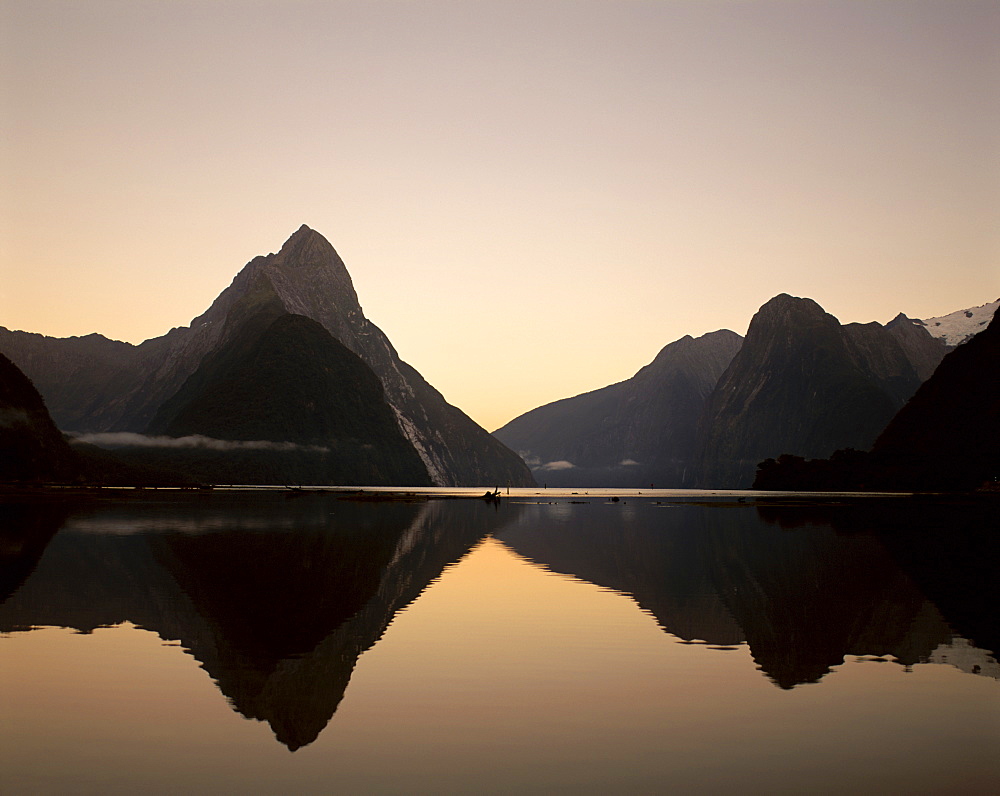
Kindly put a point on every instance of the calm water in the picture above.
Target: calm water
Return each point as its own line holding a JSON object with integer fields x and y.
{"x": 252, "y": 643}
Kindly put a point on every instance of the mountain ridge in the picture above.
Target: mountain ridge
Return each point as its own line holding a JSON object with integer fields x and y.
{"x": 800, "y": 381}
{"x": 634, "y": 432}
{"x": 101, "y": 389}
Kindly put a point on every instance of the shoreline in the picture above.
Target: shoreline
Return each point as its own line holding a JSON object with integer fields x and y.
{"x": 711, "y": 497}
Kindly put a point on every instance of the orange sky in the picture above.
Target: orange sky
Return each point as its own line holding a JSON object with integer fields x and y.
{"x": 532, "y": 197}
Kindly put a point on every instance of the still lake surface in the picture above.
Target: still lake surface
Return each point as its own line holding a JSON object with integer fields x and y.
{"x": 248, "y": 642}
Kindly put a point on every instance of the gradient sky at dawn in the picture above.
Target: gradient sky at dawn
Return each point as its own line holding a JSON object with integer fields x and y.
{"x": 532, "y": 197}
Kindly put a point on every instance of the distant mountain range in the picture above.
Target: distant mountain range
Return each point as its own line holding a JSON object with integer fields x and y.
{"x": 285, "y": 363}
{"x": 706, "y": 412}
{"x": 284, "y": 380}
{"x": 632, "y": 433}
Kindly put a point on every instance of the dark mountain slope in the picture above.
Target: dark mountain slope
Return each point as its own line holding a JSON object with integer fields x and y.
{"x": 878, "y": 353}
{"x": 946, "y": 438}
{"x": 101, "y": 385}
{"x": 955, "y": 415}
{"x": 800, "y": 384}
{"x": 311, "y": 279}
{"x": 282, "y": 378}
{"x": 649, "y": 421}
{"x": 77, "y": 375}
{"x": 924, "y": 352}
{"x": 31, "y": 447}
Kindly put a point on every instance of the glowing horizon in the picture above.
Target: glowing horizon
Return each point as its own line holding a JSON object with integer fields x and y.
{"x": 531, "y": 199}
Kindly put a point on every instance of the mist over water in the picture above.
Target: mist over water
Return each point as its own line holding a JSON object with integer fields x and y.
{"x": 128, "y": 439}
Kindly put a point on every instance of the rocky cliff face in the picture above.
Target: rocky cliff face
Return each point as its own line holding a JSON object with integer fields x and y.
{"x": 801, "y": 384}
{"x": 284, "y": 378}
{"x": 633, "y": 433}
{"x": 124, "y": 386}
{"x": 310, "y": 279}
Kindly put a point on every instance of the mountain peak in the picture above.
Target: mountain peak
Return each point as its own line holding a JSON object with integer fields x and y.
{"x": 307, "y": 246}
{"x": 788, "y": 312}
{"x": 311, "y": 279}
{"x": 303, "y": 233}
{"x": 783, "y": 301}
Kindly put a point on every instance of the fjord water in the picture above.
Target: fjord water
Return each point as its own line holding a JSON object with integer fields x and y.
{"x": 253, "y": 643}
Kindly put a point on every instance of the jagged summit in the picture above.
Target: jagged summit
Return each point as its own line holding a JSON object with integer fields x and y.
{"x": 777, "y": 318}
{"x": 783, "y": 306}
{"x": 801, "y": 383}
{"x": 308, "y": 248}
{"x": 309, "y": 278}
{"x": 953, "y": 421}
{"x": 112, "y": 387}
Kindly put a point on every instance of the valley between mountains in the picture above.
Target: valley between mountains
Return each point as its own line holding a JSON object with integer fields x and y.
{"x": 283, "y": 380}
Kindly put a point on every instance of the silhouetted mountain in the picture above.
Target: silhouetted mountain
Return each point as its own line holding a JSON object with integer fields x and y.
{"x": 702, "y": 414}
{"x": 946, "y": 437}
{"x": 953, "y": 420}
{"x": 283, "y": 378}
{"x": 801, "y": 384}
{"x": 924, "y": 351}
{"x": 100, "y": 385}
{"x": 80, "y": 377}
{"x": 310, "y": 279}
{"x": 639, "y": 431}
{"x": 31, "y": 447}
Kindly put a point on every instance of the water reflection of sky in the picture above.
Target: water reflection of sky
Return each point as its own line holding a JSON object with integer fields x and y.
{"x": 539, "y": 652}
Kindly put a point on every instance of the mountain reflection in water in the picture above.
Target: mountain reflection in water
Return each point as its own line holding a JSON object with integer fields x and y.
{"x": 803, "y": 585}
{"x": 277, "y": 598}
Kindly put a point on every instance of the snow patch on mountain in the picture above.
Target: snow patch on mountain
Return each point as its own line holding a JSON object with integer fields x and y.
{"x": 957, "y": 327}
